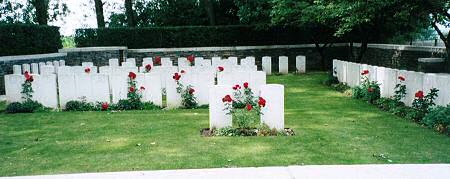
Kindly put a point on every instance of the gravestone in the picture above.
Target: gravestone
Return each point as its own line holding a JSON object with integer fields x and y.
{"x": 127, "y": 64}
{"x": 203, "y": 81}
{"x": 147, "y": 60}
{"x": 56, "y": 63}
{"x": 218, "y": 118}
{"x": 300, "y": 64}
{"x": 353, "y": 74}
{"x": 119, "y": 85}
{"x": 273, "y": 113}
{"x": 267, "y": 65}
{"x": 372, "y": 72}
{"x": 66, "y": 88}
{"x": 49, "y": 63}
{"x": 257, "y": 79}
{"x": 390, "y": 81}
{"x": 225, "y": 79}
{"x": 380, "y": 77}
{"x": 17, "y": 69}
{"x": 41, "y": 64}
{"x": 283, "y": 62}
{"x": 335, "y": 68}
{"x": 183, "y": 62}
{"x": 114, "y": 62}
{"x": 45, "y": 89}
{"x": 35, "y": 68}
{"x": 172, "y": 96}
{"x": 198, "y": 60}
{"x": 62, "y": 63}
{"x": 444, "y": 89}
{"x": 13, "y": 87}
{"x": 65, "y": 70}
{"x": 26, "y": 68}
{"x": 414, "y": 83}
{"x": 47, "y": 69}
{"x": 152, "y": 92}
{"x": 100, "y": 88}
{"x": 232, "y": 60}
{"x": 166, "y": 62}
{"x": 342, "y": 77}
{"x": 131, "y": 61}
{"x": 87, "y": 64}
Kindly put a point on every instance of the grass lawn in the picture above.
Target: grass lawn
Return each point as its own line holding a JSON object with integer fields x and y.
{"x": 330, "y": 128}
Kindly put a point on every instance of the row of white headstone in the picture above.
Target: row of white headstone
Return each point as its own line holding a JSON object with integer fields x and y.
{"x": 272, "y": 113}
{"x": 36, "y": 68}
{"x": 68, "y": 83}
{"x": 388, "y": 78}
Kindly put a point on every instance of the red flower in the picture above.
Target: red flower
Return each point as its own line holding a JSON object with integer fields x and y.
{"x": 142, "y": 88}
{"x": 261, "y": 102}
{"x": 182, "y": 71}
{"x": 246, "y": 85}
{"x": 365, "y": 72}
{"x": 28, "y": 77}
{"x": 158, "y": 60}
{"x": 132, "y": 75}
{"x": 227, "y": 98}
{"x": 401, "y": 78}
{"x": 191, "y": 91}
{"x": 236, "y": 87}
{"x": 419, "y": 94}
{"x": 191, "y": 58}
{"x": 87, "y": 70}
{"x": 249, "y": 107}
{"x": 132, "y": 89}
{"x": 176, "y": 76}
{"x": 105, "y": 106}
{"x": 148, "y": 67}
{"x": 220, "y": 68}
{"x": 370, "y": 90}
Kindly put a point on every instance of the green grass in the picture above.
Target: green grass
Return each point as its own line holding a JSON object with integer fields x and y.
{"x": 330, "y": 128}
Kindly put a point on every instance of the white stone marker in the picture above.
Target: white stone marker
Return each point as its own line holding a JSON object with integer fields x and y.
{"x": 267, "y": 65}
{"x": 114, "y": 62}
{"x": 218, "y": 118}
{"x": 273, "y": 112}
{"x": 203, "y": 81}
{"x": 381, "y": 71}
{"x": 100, "y": 88}
{"x": 414, "y": 82}
{"x": 225, "y": 79}
{"x": 41, "y": 64}
{"x": 257, "y": 79}
{"x": 45, "y": 92}
{"x": 34, "y": 68}
{"x": 62, "y": 63}
{"x": 66, "y": 87}
{"x": 87, "y": 64}
{"x": 353, "y": 74}
{"x": 26, "y": 68}
{"x": 146, "y": 61}
{"x": 444, "y": 87}
{"x": 166, "y": 62}
{"x": 283, "y": 66}
{"x": 372, "y": 72}
{"x": 173, "y": 98}
{"x": 334, "y": 68}
{"x": 13, "y": 87}
{"x": 47, "y": 69}
{"x": 232, "y": 60}
{"x": 119, "y": 86}
{"x": 198, "y": 61}
{"x": 152, "y": 92}
{"x": 17, "y": 69}
{"x": 131, "y": 61}
{"x": 390, "y": 81}
{"x": 300, "y": 64}
{"x": 56, "y": 63}
{"x": 342, "y": 77}
{"x": 183, "y": 62}
{"x": 49, "y": 63}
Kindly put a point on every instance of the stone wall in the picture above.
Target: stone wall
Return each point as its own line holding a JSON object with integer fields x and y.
{"x": 7, "y": 62}
{"x": 98, "y": 55}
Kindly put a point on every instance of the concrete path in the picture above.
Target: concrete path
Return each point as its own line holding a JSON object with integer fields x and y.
{"x": 413, "y": 171}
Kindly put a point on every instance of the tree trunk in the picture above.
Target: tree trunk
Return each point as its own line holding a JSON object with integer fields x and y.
{"x": 210, "y": 11}
{"x": 362, "y": 51}
{"x": 130, "y": 13}
{"x": 99, "y": 13}
{"x": 321, "y": 51}
{"x": 41, "y": 7}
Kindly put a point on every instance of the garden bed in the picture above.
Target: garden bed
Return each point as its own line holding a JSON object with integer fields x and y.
{"x": 207, "y": 132}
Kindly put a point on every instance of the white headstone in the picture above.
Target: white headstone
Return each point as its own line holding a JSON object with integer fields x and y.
{"x": 119, "y": 86}
{"x": 45, "y": 89}
{"x": 26, "y": 68}
{"x": 67, "y": 89}
{"x": 17, "y": 69}
{"x": 41, "y": 64}
{"x": 62, "y": 63}
{"x": 225, "y": 78}
{"x": 166, "y": 62}
{"x": 283, "y": 64}
{"x": 47, "y": 69}
{"x": 273, "y": 112}
{"x": 232, "y": 60}
{"x": 131, "y": 61}
{"x": 13, "y": 87}
{"x": 49, "y": 63}
{"x": 152, "y": 92}
{"x": 198, "y": 60}
{"x": 203, "y": 81}
{"x": 218, "y": 118}
{"x": 173, "y": 97}
{"x": 300, "y": 64}
{"x": 64, "y": 70}
{"x": 100, "y": 88}
{"x": 267, "y": 65}
{"x": 56, "y": 63}
{"x": 114, "y": 62}
{"x": 87, "y": 64}
{"x": 257, "y": 79}
{"x": 34, "y": 68}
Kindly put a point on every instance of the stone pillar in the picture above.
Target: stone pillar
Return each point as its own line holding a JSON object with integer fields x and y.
{"x": 300, "y": 64}
{"x": 283, "y": 64}
{"x": 34, "y": 68}
{"x": 273, "y": 112}
{"x": 218, "y": 118}
{"x": 267, "y": 65}
{"x": 26, "y": 68}
{"x": 17, "y": 69}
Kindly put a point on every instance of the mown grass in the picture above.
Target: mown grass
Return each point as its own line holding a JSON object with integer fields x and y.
{"x": 330, "y": 128}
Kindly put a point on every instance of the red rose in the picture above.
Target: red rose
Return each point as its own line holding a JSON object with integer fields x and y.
{"x": 246, "y": 85}
{"x": 28, "y": 77}
{"x": 105, "y": 106}
{"x": 191, "y": 58}
{"x": 148, "y": 67}
{"x": 419, "y": 94}
{"x": 87, "y": 70}
{"x": 370, "y": 90}
{"x": 182, "y": 71}
{"x": 26, "y": 74}
{"x": 249, "y": 107}
{"x": 191, "y": 90}
{"x": 236, "y": 87}
{"x": 262, "y": 102}
{"x": 176, "y": 76}
{"x": 158, "y": 60}
{"x": 401, "y": 78}
{"x": 142, "y": 88}
{"x": 220, "y": 69}
{"x": 227, "y": 98}
{"x": 132, "y": 89}
{"x": 365, "y": 72}
{"x": 132, "y": 75}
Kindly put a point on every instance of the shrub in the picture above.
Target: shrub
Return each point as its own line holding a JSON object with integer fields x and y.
{"x": 126, "y": 104}
{"x": 28, "y": 106}
{"x": 24, "y": 39}
{"x": 80, "y": 106}
{"x": 331, "y": 79}
{"x": 439, "y": 119}
{"x": 14, "y": 107}
{"x": 422, "y": 104}
{"x": 368, "y": 90}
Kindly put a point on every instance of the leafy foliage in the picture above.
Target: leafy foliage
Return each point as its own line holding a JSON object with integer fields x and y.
{"x": 422, "y": 104}
{"x": 28, "y": 106}
{"x": 439, "y": 119}
{"x": 368, "y": 90}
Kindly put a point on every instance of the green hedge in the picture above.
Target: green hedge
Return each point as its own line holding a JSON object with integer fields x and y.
{"x": 24, "y": 39}
{"x": 192, "y": 36}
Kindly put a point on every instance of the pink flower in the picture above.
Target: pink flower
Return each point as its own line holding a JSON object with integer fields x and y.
{"x": 28, "y": 77}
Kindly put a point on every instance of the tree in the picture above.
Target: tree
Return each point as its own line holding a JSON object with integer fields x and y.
{"x": 32, "y": 11}
{"x": 209, "y": 7}
{"x": 41, "y": 7}
{"x": 99, "y": 13}
{"x": 439, "y": 11}
{"x": 254, "y": 11}
{"x": 130, "y": 14}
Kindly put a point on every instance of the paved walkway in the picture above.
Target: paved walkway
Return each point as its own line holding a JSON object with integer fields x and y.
{"x": 412, "y": 171}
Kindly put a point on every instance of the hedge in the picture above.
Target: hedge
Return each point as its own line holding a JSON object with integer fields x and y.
{"x": 24, "y": 39}
{"x": 192, "y": 36}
